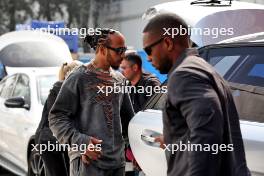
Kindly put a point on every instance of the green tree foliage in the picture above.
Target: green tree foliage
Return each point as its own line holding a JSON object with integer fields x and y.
{"x": 75, "y": 13}
{"x": 13, "y": 12}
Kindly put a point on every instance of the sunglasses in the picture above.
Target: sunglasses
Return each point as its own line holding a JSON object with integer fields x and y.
{"x": 120, "y": 50}
{"x": 148, "y": 49}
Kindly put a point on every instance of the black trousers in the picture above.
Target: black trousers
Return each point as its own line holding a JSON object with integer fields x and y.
{"x": 78, "y": 168}
{"x": 56, "y": 163}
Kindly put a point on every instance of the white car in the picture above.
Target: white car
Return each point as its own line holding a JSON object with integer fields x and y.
{"x": 237, "y": 19}
{"x": 31, "y": 62}
{"x": 242, "y": 65}
{"x": 239, "y": 61}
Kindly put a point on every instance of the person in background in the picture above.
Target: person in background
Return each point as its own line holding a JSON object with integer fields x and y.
{"x": 56, "y": 162}
{"x": 84, "y": 114}
{"x": 131, "y": 68}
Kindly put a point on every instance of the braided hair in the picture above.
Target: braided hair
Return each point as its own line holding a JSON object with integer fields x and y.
{"x": 94, "y": 39}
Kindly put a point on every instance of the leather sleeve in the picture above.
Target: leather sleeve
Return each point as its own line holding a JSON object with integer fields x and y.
{"x": 199, "y": 104}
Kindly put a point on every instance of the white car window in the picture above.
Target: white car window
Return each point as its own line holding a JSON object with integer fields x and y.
{"x": 45, "y": 83}
{"x": 2, "y": 83}
{"x": 22, "y": 88}
{"x": 9, "y": 86}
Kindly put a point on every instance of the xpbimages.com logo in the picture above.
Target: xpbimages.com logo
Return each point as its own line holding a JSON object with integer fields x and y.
{"x": 81, "y": 32}
{"x": 213, "y": 148}
{"x": 214, "y": 32}
{"x": 117, "y": 88}
{"x": 82, "y": 148}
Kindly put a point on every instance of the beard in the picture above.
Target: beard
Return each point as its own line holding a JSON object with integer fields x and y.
{"x": 110, "y": 60}
{"x": 164, "y": 66}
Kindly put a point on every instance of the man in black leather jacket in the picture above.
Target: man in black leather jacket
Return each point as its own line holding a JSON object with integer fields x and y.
{"x": 201, "y": 125}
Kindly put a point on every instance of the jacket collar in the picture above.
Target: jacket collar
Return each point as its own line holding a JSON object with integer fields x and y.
{"x": 187, "y": 52}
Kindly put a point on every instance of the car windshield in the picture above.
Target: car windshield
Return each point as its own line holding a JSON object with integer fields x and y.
{"x": 243, "y": 65}
{"x": 44, "y": 84}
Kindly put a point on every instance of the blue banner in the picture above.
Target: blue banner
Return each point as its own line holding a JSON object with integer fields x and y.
{"x": 70, "y": 39}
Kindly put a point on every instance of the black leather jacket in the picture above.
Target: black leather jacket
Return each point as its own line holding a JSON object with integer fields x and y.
{"x": 200, "y": 110}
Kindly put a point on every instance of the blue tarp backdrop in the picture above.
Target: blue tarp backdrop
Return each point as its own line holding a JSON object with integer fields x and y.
{"x": 149, "y": 68}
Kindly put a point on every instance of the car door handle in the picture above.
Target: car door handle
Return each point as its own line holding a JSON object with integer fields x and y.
{"x": 148, "y": 137}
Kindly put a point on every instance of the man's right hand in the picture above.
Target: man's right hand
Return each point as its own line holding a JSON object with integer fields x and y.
{"x": 160, "y": 139}
{"x": 92, "y": 152}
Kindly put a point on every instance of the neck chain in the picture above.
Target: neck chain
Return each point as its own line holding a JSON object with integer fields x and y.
{"x": 99, "y": 69}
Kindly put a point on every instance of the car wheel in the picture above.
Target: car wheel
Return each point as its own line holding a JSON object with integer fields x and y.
{"x": 36, "y": 165}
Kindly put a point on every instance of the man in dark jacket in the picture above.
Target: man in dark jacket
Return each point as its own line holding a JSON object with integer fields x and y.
{"x": 88, "y": 113}
{"x": 132, "y": 69}
{"x": 201, "y": 125}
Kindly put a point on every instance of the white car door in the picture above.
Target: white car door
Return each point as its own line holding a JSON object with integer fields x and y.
{"x": 22, "y": 120}
{"x": 2, "y": 124}
{"x": 243, "y": 67}
{"x": 7, "y": 121}
{"x": 249, "y": 102}
{"x": 142, "y": 128}
{"x": 253, "y": 137}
